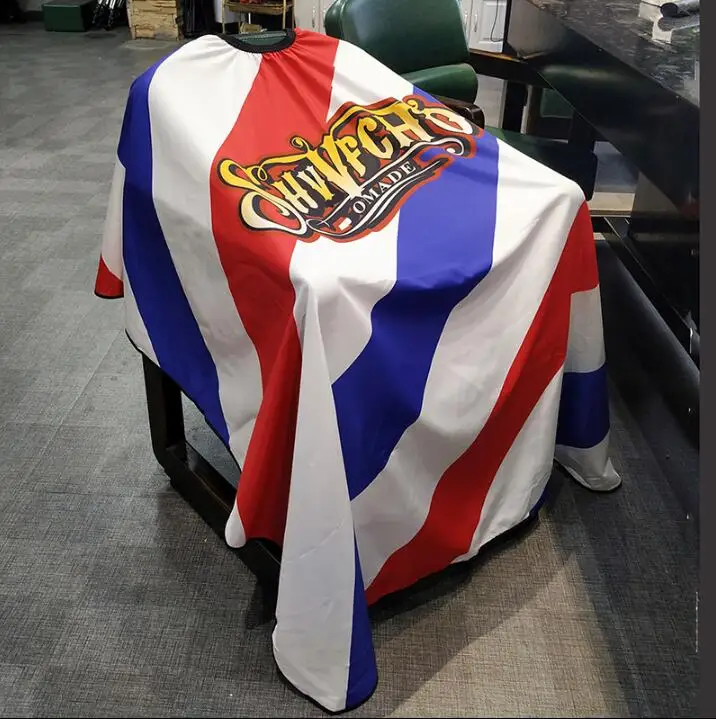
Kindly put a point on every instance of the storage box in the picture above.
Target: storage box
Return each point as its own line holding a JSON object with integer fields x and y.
{"x": 68, "y": 15}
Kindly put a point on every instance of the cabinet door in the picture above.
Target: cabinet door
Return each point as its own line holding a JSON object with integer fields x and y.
{"x": 466, "y": 12}
{"x": 487, "y": 28}
{"x": 307, "y": 14}
{"x": 321, "y": 25}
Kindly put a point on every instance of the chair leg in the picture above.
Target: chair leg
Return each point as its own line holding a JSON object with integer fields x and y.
{"x": 166, "y": 414}
{"x": 532, "y": 122}
{"x": 205, "y": 489}
{"x": 514, "y": 99}
{"x": 581, "y": 133}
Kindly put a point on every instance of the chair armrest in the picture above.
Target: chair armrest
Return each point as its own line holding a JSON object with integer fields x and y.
{"x": 471, "y": 112}
{"x": 505, "y": 67}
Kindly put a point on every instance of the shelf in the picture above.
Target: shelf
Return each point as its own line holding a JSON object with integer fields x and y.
{"x": 270, "y": 8}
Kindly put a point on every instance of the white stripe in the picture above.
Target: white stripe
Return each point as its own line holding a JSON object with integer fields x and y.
{"x": 112, "y": 256}
{"x": 195, "y": 98}
{"x": 350, "y": 278}
{"x": 523, "y": 474}
{"x": 535, "y": 211}
{"x": 134, "y": 324}
{"x": 337, "y": 285}
{"x": 585, "y": 351}
{"x": 112, "y": 236}
{"x": 363, "y": 80}
{"x": 314, "y": 612}
{"x": 591, "y": 467}
{"x": 234, "y": 532}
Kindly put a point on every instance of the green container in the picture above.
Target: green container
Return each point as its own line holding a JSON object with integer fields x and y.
{"x": 68, "y": 15}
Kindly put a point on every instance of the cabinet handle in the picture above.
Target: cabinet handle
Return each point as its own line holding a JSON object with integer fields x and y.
{"x": 477, "y": 21}
{"x": 465, "y": 19}
{"x": 313, "y": 18}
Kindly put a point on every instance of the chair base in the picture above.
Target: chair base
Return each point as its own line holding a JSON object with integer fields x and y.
{"x": 203, "y": 487}
{"x": 212, "y": 496}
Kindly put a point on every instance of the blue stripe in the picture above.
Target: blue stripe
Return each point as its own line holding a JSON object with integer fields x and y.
{"x": 173, "y": 330}
{"x": 584, "y": 409}
{"x": 445, "y": 241}
{"x": 363, "y": 671}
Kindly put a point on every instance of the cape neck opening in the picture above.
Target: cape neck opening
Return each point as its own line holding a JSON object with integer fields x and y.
{"x": 264, "y": 42}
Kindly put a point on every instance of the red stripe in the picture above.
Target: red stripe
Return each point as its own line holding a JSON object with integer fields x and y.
{"x": 459, "y": 497}
{"x": 107, "y": 284}
{"x": 257, "y": 265}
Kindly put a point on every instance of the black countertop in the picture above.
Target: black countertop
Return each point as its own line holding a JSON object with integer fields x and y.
{"x": 634, "y": 32}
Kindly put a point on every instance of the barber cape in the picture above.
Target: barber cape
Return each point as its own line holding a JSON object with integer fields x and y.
{"x": 391, "y": 319}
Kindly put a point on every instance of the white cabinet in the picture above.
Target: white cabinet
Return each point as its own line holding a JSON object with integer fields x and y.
{"x": 310, "y": 14}
{"x": 487, "y": 25}
{"x": 307, "y": 14}
{"x": 466, "y": 12}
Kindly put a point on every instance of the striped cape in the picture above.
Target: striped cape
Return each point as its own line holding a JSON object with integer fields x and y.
{"x": 391, "y": 319}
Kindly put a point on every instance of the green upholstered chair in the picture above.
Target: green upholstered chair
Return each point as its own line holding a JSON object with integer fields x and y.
{"x": 424, "y": 41}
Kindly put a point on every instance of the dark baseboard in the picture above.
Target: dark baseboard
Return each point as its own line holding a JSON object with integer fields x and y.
{"x": 25, "y": 16}
{"x": 654, "y": 375}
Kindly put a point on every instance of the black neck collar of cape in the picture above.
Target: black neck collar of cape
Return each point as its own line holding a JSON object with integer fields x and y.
{"x": 281, "y": 44}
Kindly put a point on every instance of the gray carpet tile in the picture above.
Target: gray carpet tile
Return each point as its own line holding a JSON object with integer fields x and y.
{"x": 117, "y": 600}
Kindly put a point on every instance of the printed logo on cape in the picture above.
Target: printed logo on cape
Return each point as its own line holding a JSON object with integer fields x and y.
{"x": 354, "y": 180}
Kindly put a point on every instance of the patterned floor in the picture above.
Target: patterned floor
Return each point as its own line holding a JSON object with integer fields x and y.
{"x": 116, "y": 600}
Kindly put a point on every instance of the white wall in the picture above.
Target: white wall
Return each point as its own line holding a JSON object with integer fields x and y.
{"x": 30, "y": 5}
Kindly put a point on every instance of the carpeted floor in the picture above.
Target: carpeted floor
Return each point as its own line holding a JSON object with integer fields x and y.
{"x": 116, "y": 600}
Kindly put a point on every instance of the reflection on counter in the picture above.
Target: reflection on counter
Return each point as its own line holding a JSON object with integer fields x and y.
{"x": 664, "y": 28}
{"x": 624, "y": 29}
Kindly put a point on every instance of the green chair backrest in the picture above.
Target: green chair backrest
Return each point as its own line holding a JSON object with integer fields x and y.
{"x": 405, "y": 35}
